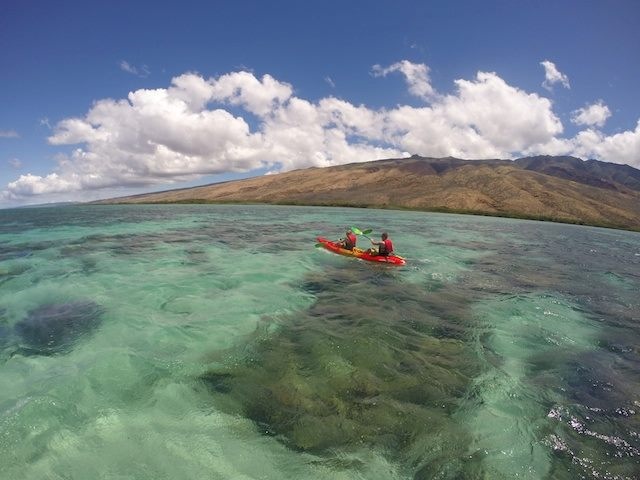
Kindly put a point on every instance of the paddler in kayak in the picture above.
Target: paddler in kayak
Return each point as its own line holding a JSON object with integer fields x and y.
{"x": 349, "y": 241}
{"x": 385, "y": 246}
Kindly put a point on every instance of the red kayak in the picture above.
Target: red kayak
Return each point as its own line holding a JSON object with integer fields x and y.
{"x": 361, "y": 254}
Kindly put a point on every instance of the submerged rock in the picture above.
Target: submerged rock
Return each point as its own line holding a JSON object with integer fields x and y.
{"x": 370, "y": 364}
{"x": 55, "y": 328}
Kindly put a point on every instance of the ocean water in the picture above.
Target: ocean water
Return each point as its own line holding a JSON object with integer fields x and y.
{"x": 202, "y": 341}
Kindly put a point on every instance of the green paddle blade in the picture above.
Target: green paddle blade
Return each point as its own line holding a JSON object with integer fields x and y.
{"x": 357, "y": 231}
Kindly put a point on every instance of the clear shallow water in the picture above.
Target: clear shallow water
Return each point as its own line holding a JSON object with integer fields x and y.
{"x": 216, "y": 342}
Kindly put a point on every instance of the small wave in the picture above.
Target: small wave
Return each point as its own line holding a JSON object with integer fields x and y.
{"x": 593, "y": 468}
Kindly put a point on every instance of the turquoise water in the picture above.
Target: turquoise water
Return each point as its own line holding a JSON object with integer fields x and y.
{"x": 199, "y": 341}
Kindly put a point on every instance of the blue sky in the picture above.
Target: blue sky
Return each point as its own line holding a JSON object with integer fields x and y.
{"x": 101, "y": 99}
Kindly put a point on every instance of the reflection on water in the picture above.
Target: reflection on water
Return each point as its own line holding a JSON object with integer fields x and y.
{"x": 145, "y": 341}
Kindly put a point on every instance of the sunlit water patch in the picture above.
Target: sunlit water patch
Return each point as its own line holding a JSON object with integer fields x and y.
{"x": 217, "y": 342}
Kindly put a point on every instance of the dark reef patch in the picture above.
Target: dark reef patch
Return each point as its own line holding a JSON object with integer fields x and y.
{"x": 55, "y": 328}
{"x": 374, "y": 363}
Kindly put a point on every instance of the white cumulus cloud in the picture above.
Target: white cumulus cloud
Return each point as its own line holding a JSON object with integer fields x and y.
{"x": 591, "y": 115}
{"x": 416, "y": 75}
{"x": 241, "y": 122}
{"x": 552, "y": 76}
{"x": 621, "y": 147}
{"x": 257, "y": 96}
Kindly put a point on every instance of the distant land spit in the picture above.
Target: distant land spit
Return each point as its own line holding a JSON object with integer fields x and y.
{"x": 551, "y": 188}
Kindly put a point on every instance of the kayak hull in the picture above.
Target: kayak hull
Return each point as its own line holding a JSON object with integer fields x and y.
{"x": 361, "y": 254}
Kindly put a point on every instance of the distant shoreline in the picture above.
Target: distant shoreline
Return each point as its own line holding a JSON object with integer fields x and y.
{"x": 515, "y": 216}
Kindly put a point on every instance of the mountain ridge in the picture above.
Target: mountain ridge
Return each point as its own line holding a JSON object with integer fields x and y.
{"x": 563, "y": 189}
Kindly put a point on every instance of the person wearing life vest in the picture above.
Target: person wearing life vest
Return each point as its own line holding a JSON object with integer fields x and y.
{"x": 349, "y": 241}
{"x": 385, "y": 246}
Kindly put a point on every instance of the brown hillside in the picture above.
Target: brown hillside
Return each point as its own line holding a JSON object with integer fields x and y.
{"x": 488, "y": 187}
